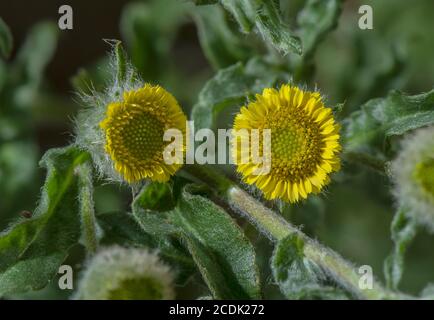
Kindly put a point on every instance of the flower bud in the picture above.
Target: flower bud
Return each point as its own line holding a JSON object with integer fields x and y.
{"x": 118, "y": 273}
{"x": 413, "y": 172}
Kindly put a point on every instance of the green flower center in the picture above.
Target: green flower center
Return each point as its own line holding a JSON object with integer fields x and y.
{"x": 142, "y": 136}
{"x": 424, "y": 175}
{"x": 295, "y": 145}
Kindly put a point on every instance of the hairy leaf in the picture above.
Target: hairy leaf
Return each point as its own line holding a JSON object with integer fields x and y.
{"x": 122, "y": 229}
{"x": 32, "y": 250}
{"x": 243, "y": 11}
{"x": 223, "y": 254}
{"x": 317, "y": 18}
{"x": 220, "y": 45}
{"x": 403, "y": 232}
{"x": 265, "y": 16}
{"x": 271, "y": 27}
{"x": 232, "y": 87}
{"x": 299, "y": 278}
{"x": 151, "y": 207}
{"x": 365, "y": 130}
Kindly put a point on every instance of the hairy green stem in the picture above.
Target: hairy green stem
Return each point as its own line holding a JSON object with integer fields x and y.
{"x": 276, "y": 228}
{"x": 88, "y": 220}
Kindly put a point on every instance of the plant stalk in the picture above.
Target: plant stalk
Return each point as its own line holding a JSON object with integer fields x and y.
{"x": 276, "y": 228}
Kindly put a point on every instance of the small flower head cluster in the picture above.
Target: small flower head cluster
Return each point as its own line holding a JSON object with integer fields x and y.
{"x": 413, "y": 172}
{"x": 118, "y": 273}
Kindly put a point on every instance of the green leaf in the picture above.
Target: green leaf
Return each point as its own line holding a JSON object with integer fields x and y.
{"x": 403, "y": 232}
{"x": 121, "y": 62}
{"x": 223, "y": 254}
{"x": 316, "y": 20}
{"x": 151, "y": 211}
{"x": 220, "y": 45}
{"x": 231, "y": 87}
{"x": 272, "y": 28}
{"x": 297, "y": 277}
{"x": 32, "y": 250}
{"x": 149, "y": 30}
{"x": 265, "y": 16}
{"x": 151, "y": 206}
{"x": 365, "y": 130}
{"x": 243, "y": 12}
{"x": 5, "y": 39}
{"x": 122, "y": 229}
{"x": 155, "y": 196}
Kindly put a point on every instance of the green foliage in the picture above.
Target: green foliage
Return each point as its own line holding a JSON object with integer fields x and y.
{"x": 149, "y": 30}
{"x": 220, "y": 44}
{"x": 315, "y": 21}
{"x": 265, "y": 16}
{"x": 201, "y": 225}
{"x": 151, "y": 211}
{"x": 297, "y": 276}
{"x": 29, "y": 256}
{"x": 251, "y": 45}
{"x": 271, "y": 27}
{"x": 20, "y": 82}
{"x": 367, "y": 129}
{"x": 121, "y": 228}
{"x": 224, "y": 256}
{"x": 403, "y": 232}
{"x": 231, "y": 87}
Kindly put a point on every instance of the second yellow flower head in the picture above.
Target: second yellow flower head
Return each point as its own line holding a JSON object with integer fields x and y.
{"x": 304, "y": 142}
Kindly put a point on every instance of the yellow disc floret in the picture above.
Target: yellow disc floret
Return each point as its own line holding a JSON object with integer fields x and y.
{"x": 134, "y": 130}
{"x": 304, "y": 142}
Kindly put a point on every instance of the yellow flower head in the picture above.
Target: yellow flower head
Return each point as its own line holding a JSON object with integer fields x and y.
{"x": 134, "y": 130}
{"x": 304, "y": 142}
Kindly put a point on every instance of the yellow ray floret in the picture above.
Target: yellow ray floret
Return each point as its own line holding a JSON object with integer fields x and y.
{"x": 134, "y": 130}
{"x": 304, "y": 143}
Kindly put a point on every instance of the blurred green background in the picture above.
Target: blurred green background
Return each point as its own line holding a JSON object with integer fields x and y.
{"x": 47, "y": 66}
